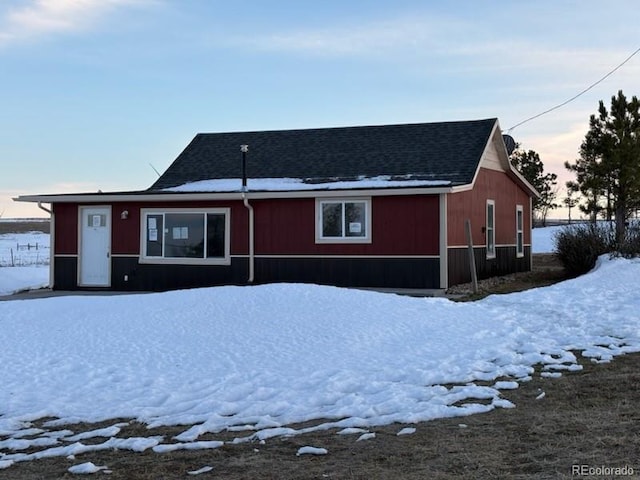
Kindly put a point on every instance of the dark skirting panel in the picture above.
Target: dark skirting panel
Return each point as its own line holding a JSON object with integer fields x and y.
{"x": 504, "y": 263}
{"x": 127, "y": 274}
{"x": 351, "y": 272}
{"x": 65, "y": 273}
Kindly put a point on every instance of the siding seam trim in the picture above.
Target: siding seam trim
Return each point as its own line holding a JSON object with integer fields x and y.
{"x": 343, "y": 256}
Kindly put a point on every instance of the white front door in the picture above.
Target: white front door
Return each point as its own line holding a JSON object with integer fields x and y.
{"x": 95, "y": 247}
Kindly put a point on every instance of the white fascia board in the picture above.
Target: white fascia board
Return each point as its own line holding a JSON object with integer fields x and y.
{"x": 185, "y": 197}
{"x": 462, "y": 188}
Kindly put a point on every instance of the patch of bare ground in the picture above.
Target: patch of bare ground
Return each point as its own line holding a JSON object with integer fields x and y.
{"x": 585, "y": 418}
{"x": 546, "y": 270}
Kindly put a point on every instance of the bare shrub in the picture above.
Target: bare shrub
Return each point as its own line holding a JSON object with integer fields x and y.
{"x": 578, "y": 246}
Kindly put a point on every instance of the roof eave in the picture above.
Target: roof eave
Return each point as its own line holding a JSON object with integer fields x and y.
{"x": 235, "y": 195}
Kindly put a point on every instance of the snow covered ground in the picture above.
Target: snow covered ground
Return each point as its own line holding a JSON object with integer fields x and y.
{"x": 24, "y": 249}
{"x": 15, "y": 279}
{"x": 24, "y": 261}
{"x": 542, "y": 239}
{"x": 255, "y": 360}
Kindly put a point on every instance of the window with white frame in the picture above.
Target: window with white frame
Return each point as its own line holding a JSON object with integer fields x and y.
{"x": 185, "y": 236}
{"x": 491, "y": 229}
{"x": 343, "y": 220}
{"x": 519, "y": 231}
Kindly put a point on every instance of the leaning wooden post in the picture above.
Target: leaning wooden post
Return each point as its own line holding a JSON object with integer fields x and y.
{"x": 472, "y": 257}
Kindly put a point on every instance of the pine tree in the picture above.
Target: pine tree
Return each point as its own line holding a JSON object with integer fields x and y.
{"x": 608, "y": 169}
{"x": 589, "y": 182}
{"x": 531, "y": 167}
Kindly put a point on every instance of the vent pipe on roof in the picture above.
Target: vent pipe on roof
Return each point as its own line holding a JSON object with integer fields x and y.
{"x": 244, "y": 149}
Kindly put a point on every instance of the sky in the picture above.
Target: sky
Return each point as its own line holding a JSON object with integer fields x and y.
{"x": 96, "y": 94}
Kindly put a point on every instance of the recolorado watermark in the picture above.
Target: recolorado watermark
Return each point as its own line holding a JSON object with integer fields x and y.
{"x": 602, "y": 470}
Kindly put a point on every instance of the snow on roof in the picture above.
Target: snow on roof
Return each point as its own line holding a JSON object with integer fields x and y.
{"x": 442, "y": 150}
{"x": 299, "y": 184}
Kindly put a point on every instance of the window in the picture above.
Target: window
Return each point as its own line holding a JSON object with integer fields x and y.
{"x": 342, "y": 221}
{"x": 185, "y": 236}
{"x": 490, "y": 229}
{"x": 96, "y": 220}
{"x": 519, "y": 231}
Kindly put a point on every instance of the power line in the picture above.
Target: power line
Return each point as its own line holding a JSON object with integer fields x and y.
{"x": 579, "y": 94}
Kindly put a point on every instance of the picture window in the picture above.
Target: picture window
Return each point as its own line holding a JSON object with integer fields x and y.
{"x": 174, "y": 236}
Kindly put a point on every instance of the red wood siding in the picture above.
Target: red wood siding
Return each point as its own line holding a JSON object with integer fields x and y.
{"x": 407, "y": 225}
{"x": 497, "y": 186}
{"x": 401, "y": 225}
{"x": 125, "y": 233}
{"x": 66, "y": 228}
{"x": 284, "y": 226}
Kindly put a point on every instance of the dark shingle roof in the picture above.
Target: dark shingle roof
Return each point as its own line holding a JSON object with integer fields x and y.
{"x": 446, "y": 151}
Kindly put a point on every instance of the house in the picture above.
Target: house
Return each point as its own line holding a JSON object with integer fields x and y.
{"x": 371, "y": 206}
